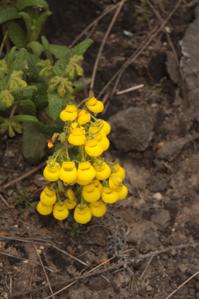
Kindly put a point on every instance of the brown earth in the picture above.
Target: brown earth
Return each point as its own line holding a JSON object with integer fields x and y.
{"x": 147, "y": 245}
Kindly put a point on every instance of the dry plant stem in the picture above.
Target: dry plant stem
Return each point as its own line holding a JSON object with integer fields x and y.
{"x": 129, "y": 89}
{"x": 3, "y": 42}
{"x": 92, "y": 24}
{"x": 159, "y": 17}
{"x": 4, "y": 201}
{"x": 45, "y": 273}
{"x": 134, "y": 56}
{"x": 110, "y": 268}
{"x": 22, "y": 177}
{"x": 47, "y": 243}
{"x": 63, "y": 289}
{"x": 146, "y": 268}
{"x": 24, "y": 260}
{"x": 104, "y": 42}
{"x": 69, "y": 255}
{"x": 182, "y": 285}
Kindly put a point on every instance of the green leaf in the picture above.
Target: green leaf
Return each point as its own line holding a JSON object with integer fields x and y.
{"x": 10, "y": 56}
{"x": 33, "y": 143}
{"x": 55, "y": 105}
{"x": 36, "y": 47}
{"x": 49, "y": 129}
{"x": 20, "y": 60}
{"x": 27, "y": 107}
{"x": 40, "y": 98}
{"x": 16, "y": 34}
{"x": 25, "y": 118}
{"x": 82, "y": 47}
{"x": 7, "y": 14}
{"x": 59, "y": 51}
{"x": 22, "y": 4}
{"x": 60, "y": 66}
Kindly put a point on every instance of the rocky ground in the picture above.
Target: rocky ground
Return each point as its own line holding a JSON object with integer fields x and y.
{"x": 146, "y": 247}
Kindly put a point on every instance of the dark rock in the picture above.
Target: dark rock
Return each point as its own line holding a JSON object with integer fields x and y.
{"x": 132, "y": 129}
{"x": 161, "y": 218}
{"x": 169, "y": 150}
{"x": 190, "y": 54}
{"x": 172, "y": 67}
{"x": 190, "y": 68}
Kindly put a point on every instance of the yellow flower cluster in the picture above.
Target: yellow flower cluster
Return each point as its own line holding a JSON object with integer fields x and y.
{"x": 79, "y": 179}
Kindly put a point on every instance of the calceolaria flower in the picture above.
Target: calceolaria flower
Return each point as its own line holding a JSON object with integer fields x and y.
{"x": 69, "y": 113}
{"x": 79, "y": 180}
{"x": 94, "y": 105}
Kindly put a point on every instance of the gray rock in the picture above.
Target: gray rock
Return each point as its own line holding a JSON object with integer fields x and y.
{"x": 190, "y": 68}
{"x": 132, "y": 129}
{"x": 169, "y": 150}
{"x": 162, "y": 218}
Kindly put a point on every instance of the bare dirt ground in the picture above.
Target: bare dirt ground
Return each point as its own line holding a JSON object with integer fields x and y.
{"x": 146, "y": 247}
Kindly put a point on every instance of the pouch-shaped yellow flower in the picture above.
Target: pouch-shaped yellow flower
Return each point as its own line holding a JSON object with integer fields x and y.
{"x": 98, "y": 185}
{"x": 43, "y": 209}
{"x": 115, "y": 181}
{"x": 60, "y": 211}
{"x": 122, "y": 192}
{"x": 85, "y": 173}
{"x": 48, "y": 196}
{"x": 103, "y": 141}
{"x": 68, "y": 172}
{"x": 119, "y": 170}
{"x": 98, "y": 208}
{"x": 94, "y": 105}
{"x": 82, "y": 214}
{"x": 69, "y": 113}
{"x": 109, "y": 196}
{"x": 83, "y": 117}
{"x": 70, "y": 203}
{"x": 51, "y": 172}
{"x": 91, "y": 193}
{"x": 103, "y": 171}
{"x": 77, "y": 136}
{"x": 105, "y": 126}
{"x": 93, "y": 148}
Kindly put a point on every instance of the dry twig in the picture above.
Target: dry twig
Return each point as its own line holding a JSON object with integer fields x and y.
{"x": 104, "y": 42}
{"x": 110, "y": 268}
{"x": 182, "y": 285}
{"x": 133, "y": 88}
{"x": 154, "y": 33}
{"x": 22, "y": 177}
{"x": 44, "y": 270}
{"x": 94, "y": 23}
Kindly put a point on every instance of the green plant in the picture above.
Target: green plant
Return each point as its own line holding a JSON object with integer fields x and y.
{"x": 22, "y": 20}
{"x": 33, "y": 90}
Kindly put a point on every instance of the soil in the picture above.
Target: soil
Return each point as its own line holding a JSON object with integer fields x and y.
{"x": 146, "y": 246}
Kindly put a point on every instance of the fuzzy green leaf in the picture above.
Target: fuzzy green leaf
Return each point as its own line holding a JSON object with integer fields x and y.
{"x": 60, "y": 51}
{"x": 82, "y": 47}
{"x": 55, "y": 105}
{"x": 33, "y": 143}
{"x": 27, "y": 107}
{"x": 16, "y": 34}
{"x": 25, "y": 118}
{"x": 36, "y": 47}
{"x": 7, "y": 14}
{"x": 22, "y": 4}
